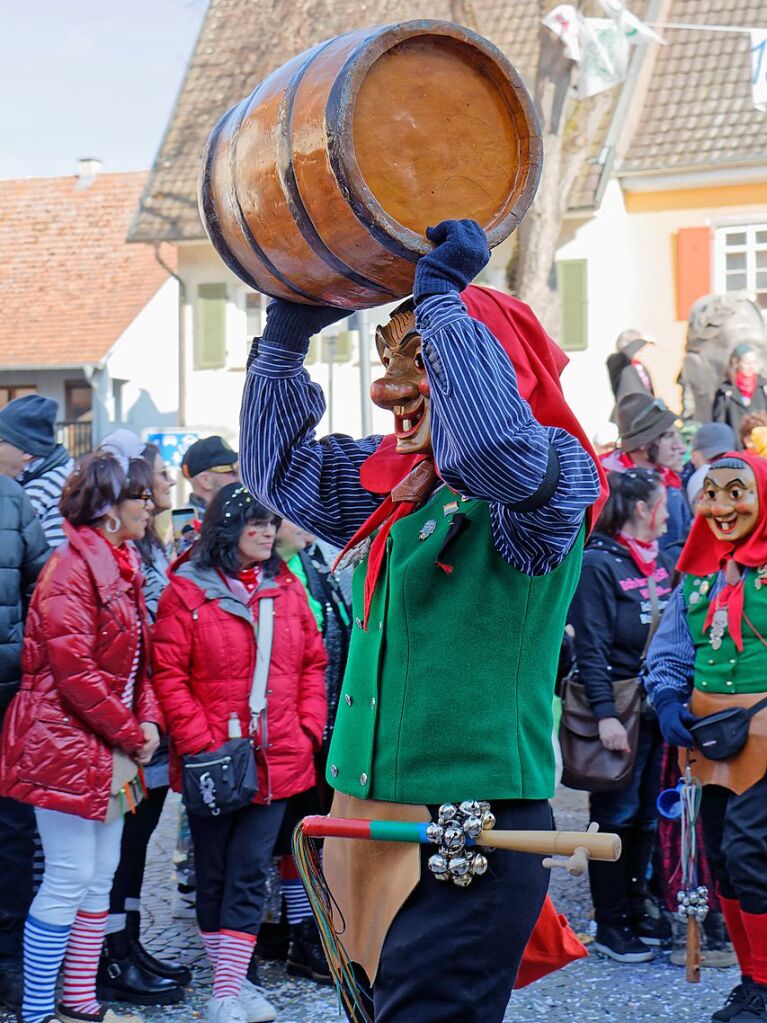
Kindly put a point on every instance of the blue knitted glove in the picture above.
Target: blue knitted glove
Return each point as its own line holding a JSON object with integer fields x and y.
{"x": 674, "y": 719}
{"x": 460, "y": 252}
{"x": 291, "y": 325}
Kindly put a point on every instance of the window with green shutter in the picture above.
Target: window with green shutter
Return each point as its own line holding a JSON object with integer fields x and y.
{"x": 210, "y": 328}
{"x": 572, "y": 285}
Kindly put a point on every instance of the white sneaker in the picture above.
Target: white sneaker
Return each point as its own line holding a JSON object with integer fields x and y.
{"x": 255, "y": 1005}
{"x": 226, "y": 1010}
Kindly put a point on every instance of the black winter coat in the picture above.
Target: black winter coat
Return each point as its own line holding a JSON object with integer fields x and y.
{"x": 730, "y": 406}
{"x": 611, "y": 614}
{"x": 23, "y": 552}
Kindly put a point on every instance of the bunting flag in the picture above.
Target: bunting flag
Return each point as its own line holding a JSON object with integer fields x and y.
{"x": 759, "y": 68}
{"x": 599, "y": 46}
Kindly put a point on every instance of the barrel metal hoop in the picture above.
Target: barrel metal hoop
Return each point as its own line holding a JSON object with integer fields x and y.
{"x": 291, "y": 190}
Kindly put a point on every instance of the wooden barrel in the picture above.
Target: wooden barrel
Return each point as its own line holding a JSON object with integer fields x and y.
{"x": 319, "y": 186}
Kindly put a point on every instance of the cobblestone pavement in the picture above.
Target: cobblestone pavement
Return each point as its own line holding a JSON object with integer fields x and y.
{"x": 594, "y": 989}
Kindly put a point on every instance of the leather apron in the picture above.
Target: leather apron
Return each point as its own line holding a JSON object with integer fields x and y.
{"x": 747, "y": 767}
{"x": 370, "y": 881}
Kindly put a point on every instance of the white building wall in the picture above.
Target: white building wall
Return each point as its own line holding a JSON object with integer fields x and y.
{"x": 146, "y": 358}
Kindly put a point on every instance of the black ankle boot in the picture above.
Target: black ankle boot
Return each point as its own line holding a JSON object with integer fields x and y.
{"x": 305, "y": 955}
{"x": 120, "y": 979}
{"x": 173, "y": 971}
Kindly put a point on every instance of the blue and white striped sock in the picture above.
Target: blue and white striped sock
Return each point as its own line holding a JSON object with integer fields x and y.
{"x": 44, "y": 948}
{"x": 296, "y": 901}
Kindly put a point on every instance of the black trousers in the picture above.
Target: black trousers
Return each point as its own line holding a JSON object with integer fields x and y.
{"x": 735, "y": 836}
{"x": 17, "y": 847}
{"x": 452, "y": 954}
{"x": 137, "y": 831}
{"x": 232, "y": 857}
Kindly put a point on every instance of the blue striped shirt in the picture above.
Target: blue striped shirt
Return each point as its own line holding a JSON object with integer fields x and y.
{"x": 671, "y": 657}
{"x": 486, "y": 441}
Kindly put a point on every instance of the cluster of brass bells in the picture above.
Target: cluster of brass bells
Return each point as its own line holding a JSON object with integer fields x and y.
{"x": 456, "y": 824}
{"x": 693, "y": 903}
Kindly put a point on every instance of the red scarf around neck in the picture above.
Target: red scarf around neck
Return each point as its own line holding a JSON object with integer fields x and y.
{"x": 746, "y": 384}
{"x": 644, "y": 553}
{"x": 124, "y": 555}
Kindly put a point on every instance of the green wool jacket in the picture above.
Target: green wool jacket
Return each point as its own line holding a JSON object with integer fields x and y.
{"x": 728, "y": 670}
{"x": 448, "y": 692}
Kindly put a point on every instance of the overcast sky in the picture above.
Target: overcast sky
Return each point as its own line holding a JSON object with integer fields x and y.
{"x": 89, "y": 78}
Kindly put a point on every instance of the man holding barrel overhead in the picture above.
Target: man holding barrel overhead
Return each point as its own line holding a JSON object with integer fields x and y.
{"x": 467, "y": 526}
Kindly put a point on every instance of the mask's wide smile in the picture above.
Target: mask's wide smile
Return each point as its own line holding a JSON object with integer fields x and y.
{"x": 407, "y": 418}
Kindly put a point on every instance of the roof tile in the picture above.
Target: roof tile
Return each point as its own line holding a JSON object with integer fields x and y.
{"x": 71, "y": 284}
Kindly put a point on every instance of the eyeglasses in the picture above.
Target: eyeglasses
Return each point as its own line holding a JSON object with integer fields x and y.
{"x": 145, "y": 496}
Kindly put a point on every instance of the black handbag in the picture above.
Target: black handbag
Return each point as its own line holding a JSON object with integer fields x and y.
{"x": 220, "y": 781}
{"x": 226, "y": 779}
{"x": 722, "y": 735}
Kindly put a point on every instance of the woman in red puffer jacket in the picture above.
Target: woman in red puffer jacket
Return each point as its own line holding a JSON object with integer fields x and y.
{"x": 84, "y": 719}
{"x": 204, "y": 660}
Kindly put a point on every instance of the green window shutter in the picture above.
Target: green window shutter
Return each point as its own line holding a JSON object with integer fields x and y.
{"x": 572, "y": 285}
{"x": 210, "y": 335}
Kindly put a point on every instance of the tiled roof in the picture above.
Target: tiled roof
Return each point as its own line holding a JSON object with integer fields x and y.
{"x": 70, "y": 283}
{"x": 242, "y": 41}
{"x": 698, "y": 111}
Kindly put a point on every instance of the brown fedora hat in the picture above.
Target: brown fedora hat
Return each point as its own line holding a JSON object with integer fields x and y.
{"x": 641, "y": 419}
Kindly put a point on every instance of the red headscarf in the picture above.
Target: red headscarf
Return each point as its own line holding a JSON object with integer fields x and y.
{"x": 538, "y": 363}
{"x": 704, "y": 553}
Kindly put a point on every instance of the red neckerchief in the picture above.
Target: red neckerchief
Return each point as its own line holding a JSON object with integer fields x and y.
{"x": 127, "y": 561}
{"x": 380, "y": 474}
{"x": 251, "y": 577}
{"x": 538, "y": 363}
{"x": 703, "y": 554}
{"x": 746, "y": 384}
{"x": 644, "y": 553}
{"x": 668, "y": 477}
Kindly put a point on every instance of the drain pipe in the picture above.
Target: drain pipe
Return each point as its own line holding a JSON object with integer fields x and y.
{"x": 181, "y": 334}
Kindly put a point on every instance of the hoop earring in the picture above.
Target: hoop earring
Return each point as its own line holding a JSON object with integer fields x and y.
{"x": 112, "y": 524}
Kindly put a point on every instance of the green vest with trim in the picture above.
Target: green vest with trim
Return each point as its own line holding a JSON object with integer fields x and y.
{"x": 448, "y": 693}
{"x": 728, "y": 670}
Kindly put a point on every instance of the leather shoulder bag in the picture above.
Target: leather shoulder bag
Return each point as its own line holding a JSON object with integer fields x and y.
{"x": 586, "y": 763}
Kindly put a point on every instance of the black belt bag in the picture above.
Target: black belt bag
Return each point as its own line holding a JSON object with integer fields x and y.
{"x": 226, "y": 779}
{"x": 722, "y": 735}
{"x": 221, "y": 781}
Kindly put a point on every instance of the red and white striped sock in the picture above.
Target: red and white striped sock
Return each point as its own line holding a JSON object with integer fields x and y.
{"x": 234, "y": 954}
{"x": 82, "y": 961}
{"x": 210, "y": 940}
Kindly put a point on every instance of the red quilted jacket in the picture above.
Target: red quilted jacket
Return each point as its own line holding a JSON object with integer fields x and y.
{"x": 203, "y": 660}
{"x": 79, "y": 648}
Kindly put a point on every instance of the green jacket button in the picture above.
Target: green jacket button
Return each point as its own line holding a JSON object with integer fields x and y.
{"x": 348, "y": 699}
{"x": 334, "y": 770}
{"x": 363, "y": 779}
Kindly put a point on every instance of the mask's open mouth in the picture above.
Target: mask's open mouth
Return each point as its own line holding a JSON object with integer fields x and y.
{"x": 407, "y": 418}
{"x": 726, "y": 524}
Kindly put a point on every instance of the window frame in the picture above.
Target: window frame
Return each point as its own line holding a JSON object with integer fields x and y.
{"x": 750, "y": 248}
